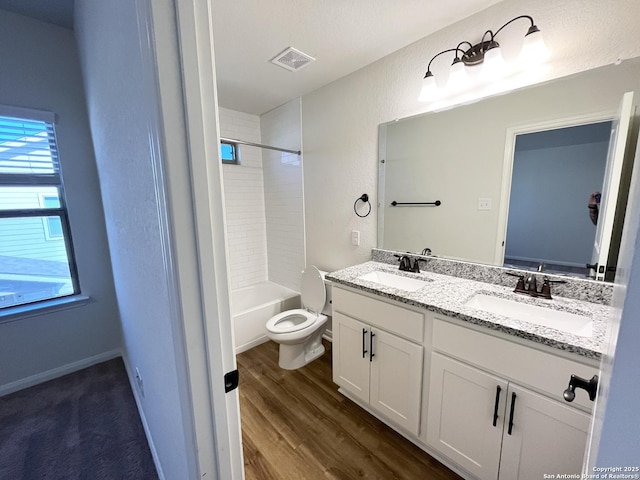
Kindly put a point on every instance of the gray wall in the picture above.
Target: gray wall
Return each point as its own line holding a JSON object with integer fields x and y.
{"x": 126, "y": 115}
{"x": 40, "y": 70}
{"x": 550, "y": 187}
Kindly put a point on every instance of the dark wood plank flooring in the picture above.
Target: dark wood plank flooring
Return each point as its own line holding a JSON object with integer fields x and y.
{"x": 295, "y": 425}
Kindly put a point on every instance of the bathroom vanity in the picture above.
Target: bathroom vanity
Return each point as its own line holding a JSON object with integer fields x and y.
{"x": 479, "y": 390}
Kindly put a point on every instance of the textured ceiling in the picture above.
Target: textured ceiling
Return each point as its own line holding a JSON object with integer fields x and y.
{"x": 343, "y": 36}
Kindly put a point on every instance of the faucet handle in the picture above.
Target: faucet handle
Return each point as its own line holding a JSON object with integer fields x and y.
{"x": 519, "y": 275}
{"x": 416, "y": 264}
{"x": 545, "y": 291}
{"x": 520, "y": 284}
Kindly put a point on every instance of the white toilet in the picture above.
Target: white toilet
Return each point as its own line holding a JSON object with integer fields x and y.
{"x": 299, "y": 332}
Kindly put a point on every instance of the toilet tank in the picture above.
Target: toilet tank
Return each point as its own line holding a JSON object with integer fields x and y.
{"x": 327, "y": 309}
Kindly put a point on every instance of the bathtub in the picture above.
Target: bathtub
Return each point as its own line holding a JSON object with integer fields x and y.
{"x": 252, "y": 306}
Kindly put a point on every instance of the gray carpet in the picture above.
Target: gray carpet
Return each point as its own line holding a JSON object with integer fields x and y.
{"x": 84, "y": 425}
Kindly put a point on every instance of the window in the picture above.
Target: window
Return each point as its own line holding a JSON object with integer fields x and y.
{"x": 52, "y": 225}
{"x": 36, "y": 255}
{"x": 229, "y": 153}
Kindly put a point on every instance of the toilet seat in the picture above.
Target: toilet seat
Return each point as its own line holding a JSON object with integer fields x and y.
{"x": 291, "y": 321}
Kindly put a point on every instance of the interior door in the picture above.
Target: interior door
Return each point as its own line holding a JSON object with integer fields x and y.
{"x": 611, "y": 185}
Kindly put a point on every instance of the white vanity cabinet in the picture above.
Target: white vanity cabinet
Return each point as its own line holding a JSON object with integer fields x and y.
{"x": 378, "y": 356}
{"x": 486, "y": 422}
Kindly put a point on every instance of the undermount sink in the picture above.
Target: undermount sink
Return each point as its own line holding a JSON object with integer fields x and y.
{"x": 394, "y": 281}
{"x": 545, "y": 317}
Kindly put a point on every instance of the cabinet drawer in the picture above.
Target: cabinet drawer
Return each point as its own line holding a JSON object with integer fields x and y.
{"x": 528, "y": 366}
{"x": 401, "y": 321}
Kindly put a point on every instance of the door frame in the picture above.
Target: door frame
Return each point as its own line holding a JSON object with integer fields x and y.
{"x": 222, "y": 454}
{"x": 507, "y": 166}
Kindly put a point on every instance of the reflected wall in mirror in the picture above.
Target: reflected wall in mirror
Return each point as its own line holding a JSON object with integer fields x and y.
{"x": 554, "y": 173}
{"x": 461, "y": 157}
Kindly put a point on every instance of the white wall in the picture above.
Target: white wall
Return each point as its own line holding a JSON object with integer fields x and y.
{"x": 283, "y": 194}
{"x": 137, "y": 123}
{"x": 244, "y": 201}
{"x": 40, "y": 70}
{"x": 341, "y": 120}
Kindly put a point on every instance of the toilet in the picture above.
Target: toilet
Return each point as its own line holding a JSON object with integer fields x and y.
{"x": 299, "y": 331}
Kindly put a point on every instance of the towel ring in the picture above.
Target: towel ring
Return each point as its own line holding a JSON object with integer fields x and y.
{"x": 363, "y": 198}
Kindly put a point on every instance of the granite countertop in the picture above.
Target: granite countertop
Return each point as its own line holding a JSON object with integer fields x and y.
{"x": 447, "y": 295}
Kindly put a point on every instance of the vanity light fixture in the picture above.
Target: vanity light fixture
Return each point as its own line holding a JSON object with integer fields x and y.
{"x": 487, "y": 54}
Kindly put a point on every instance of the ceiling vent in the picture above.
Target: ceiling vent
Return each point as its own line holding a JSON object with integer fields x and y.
{"x": 292, "y": 59}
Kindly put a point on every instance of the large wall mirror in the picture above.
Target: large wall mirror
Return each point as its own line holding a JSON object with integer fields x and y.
{"x": 514, "y": 175}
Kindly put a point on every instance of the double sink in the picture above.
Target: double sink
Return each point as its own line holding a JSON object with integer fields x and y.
{"x": 543, "y": 316}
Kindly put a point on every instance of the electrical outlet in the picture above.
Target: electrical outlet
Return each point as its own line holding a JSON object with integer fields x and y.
{"x": 139, "y": 382}
{"x": 355, "y": 237}
{"x": 484, "y": 204}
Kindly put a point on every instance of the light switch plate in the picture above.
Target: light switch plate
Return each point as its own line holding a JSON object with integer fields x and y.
{"x": 484, "y": 204}
{"x": 355, "y": 237}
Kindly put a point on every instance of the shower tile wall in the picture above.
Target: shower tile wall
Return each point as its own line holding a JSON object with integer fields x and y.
{"x": 244, "y": 201}
{"x": 283, "y": 194}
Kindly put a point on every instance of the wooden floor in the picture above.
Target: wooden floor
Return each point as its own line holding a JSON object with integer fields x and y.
{"x": 295, "y": 425}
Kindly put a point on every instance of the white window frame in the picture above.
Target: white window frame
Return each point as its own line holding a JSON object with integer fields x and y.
{"x": 42, "y": 179}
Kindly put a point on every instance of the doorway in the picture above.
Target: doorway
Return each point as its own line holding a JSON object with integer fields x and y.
{"x": 556, "y": 184}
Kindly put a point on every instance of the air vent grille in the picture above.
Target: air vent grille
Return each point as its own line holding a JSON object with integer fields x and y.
{"x": 292, "y": 59}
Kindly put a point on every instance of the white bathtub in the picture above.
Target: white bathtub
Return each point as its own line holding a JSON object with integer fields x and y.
{"x": 252, "y": 306}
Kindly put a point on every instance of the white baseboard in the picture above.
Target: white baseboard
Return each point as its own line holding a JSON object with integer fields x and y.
{"x": 251, "y": 344}
{"x": 58, "y": 372}
{"x": 328, "y": 335}
{"x": 147, "y": 432}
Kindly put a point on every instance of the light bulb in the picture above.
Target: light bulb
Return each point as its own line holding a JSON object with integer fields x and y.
{"x": 493, "y": 66}
{"x": 429, "y": 88}
{"x": 458, "y": 76}
{"x": 534, "y": 50}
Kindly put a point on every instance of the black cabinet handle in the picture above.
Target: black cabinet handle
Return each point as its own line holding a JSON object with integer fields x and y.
{"x": 513, "y": 407}
{"x": 371, "y": 354}
{"x": 364, "y": 344}
{"x": 591, "y": 386}
{"x": 495, "y": 407}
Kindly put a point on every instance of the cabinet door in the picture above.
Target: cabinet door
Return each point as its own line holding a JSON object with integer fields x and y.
{"x": 351, "y": 355}
{"x": 547, "y": 437}
{"x": 396, "y": 379}
{"x": 463, "y": 402}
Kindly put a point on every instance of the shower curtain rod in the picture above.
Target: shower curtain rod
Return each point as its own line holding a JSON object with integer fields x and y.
{"x": 259, "y": 145}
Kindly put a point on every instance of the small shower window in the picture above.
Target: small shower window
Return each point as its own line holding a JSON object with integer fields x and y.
{"x": 229, "y": 153}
